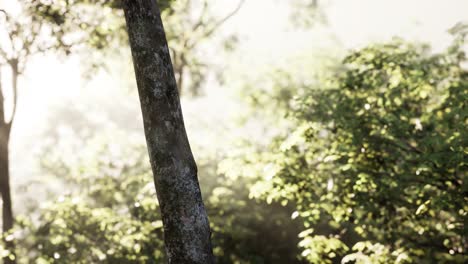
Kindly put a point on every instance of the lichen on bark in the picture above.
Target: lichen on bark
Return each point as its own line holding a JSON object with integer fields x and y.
{"x": 186, "y": 226}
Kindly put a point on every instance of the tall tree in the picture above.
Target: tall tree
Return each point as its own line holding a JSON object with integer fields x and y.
{"x": 5, "y": 129}
{"x": 22, "y": 36}
{"x": 19, "y": 42}
{"x": 186, "y": 227}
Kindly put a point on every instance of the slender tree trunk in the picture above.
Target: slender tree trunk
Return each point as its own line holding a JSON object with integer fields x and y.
{"x": 186, "y": 227}
{"x": 7, "y": 216}
{"x": 7, "y": 211}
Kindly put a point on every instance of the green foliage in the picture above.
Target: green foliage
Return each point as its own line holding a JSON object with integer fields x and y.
{"x": 376, "y": 161}
{"x": 96, "y": 23}
{"x": 72, "y": 232}
{"x": 86, "y": 25}
{"x": 109, "y": 212}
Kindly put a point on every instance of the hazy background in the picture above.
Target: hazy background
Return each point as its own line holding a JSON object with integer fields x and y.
{"x": 267, "y": 38}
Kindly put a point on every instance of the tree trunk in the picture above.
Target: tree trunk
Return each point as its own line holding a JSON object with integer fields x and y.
{"x": 7, "y": 211}
{"x": 5, "y": 182}
{"x": 7, "y": 214}
{"x": 186, "y": 227}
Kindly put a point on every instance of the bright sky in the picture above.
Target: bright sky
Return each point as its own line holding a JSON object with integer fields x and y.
{"x": 357, "y": 22}
{"x": 266, "y": 38}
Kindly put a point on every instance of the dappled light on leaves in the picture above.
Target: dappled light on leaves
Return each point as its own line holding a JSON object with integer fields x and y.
{"x": 375, "y": 160}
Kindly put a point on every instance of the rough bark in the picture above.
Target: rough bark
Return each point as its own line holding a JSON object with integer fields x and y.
{"x": 186, "y": 227}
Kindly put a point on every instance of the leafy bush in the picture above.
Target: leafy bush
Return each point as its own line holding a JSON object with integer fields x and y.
{"x": 376, "y": 161}
{"x": 108, "y": 212}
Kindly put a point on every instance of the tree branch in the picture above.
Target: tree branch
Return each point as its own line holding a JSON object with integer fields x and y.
{"x": 7, "y": 17}
{"x": 217, "y": 24}
{"x": 226, "y": 18}
{"x": 14, "y": 87}
{"x": 10, "y": 35}
{"x": 2, "y": 114}
{"x": 7, "y": 20}
{"x": 202, "y": 14}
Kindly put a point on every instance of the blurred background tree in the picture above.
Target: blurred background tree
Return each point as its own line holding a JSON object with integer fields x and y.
{"x": 99, "y": 24}
{"x": 66, "y": 27}
{"x": 23, "y": 37}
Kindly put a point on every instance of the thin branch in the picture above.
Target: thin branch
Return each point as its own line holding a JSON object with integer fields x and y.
{"x": 202, "y": 14}
{"x": 3, "y": 54}
{"x": 10, "y": 36}
{"x": 2, "y": 114}
{"x": 7, "y": 17}
{"x": 223, "y": 20}
{"x": 14, "y": 84}
{"x": 216, "y": 24}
